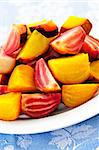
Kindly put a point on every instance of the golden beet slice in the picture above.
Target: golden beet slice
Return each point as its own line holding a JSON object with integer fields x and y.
{"x": 46, "y": 27}
{"x": 77, "y": 94}
{"x": 22, "y": 79}
{"x": 70, "y": 70}
{"x": 36, "y": 45}
{"x": 74, "y": 21}
{"x": 95, "y": 70}
{"x": 32, "y": 27}
{"x": 10, "y": 106}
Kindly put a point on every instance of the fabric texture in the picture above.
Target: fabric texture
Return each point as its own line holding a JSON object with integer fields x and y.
{"x": 83, "y": 136}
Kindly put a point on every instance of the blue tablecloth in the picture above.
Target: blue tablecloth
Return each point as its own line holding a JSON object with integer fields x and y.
{"x": 83, "y": 136}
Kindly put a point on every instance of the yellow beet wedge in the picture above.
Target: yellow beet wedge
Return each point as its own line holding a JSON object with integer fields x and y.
{"x": 75, "y": 95}
{"x": 29, "y": 26}
{"x": 36, "y": 45}
{"x": 74, "y": 21}
{"x": 70, "y": 70}
{"x": 22, "y": 79}
{"x": 95, "y": 69}
{"x": 46, "y": 27}
{"x": 10, "y": 106}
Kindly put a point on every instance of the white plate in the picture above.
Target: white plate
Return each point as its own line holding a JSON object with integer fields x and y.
{"x": 62, "y": 118}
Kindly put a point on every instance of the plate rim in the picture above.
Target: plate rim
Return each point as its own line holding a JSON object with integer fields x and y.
{"x": 55, "y": 122}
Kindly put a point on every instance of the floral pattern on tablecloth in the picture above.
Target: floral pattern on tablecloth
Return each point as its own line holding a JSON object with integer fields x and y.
{"x": 83, "y": 136}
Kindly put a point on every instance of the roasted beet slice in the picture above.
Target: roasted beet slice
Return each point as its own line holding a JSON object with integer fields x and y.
{"x": 74, "y": 21}
{"x": 39, "y": 105}
{"x": 15, "y": 41}
{"x": 91, "y": 46}
{"x": 43, "y": 78}
{"x": 70, "y": 42}
{"x": 46, "y": 27}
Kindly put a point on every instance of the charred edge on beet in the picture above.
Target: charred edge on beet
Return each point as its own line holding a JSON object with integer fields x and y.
{"x": 47, "y": 34}
{"x": 23, "y": 37}
{"x": 62, "y": 29}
